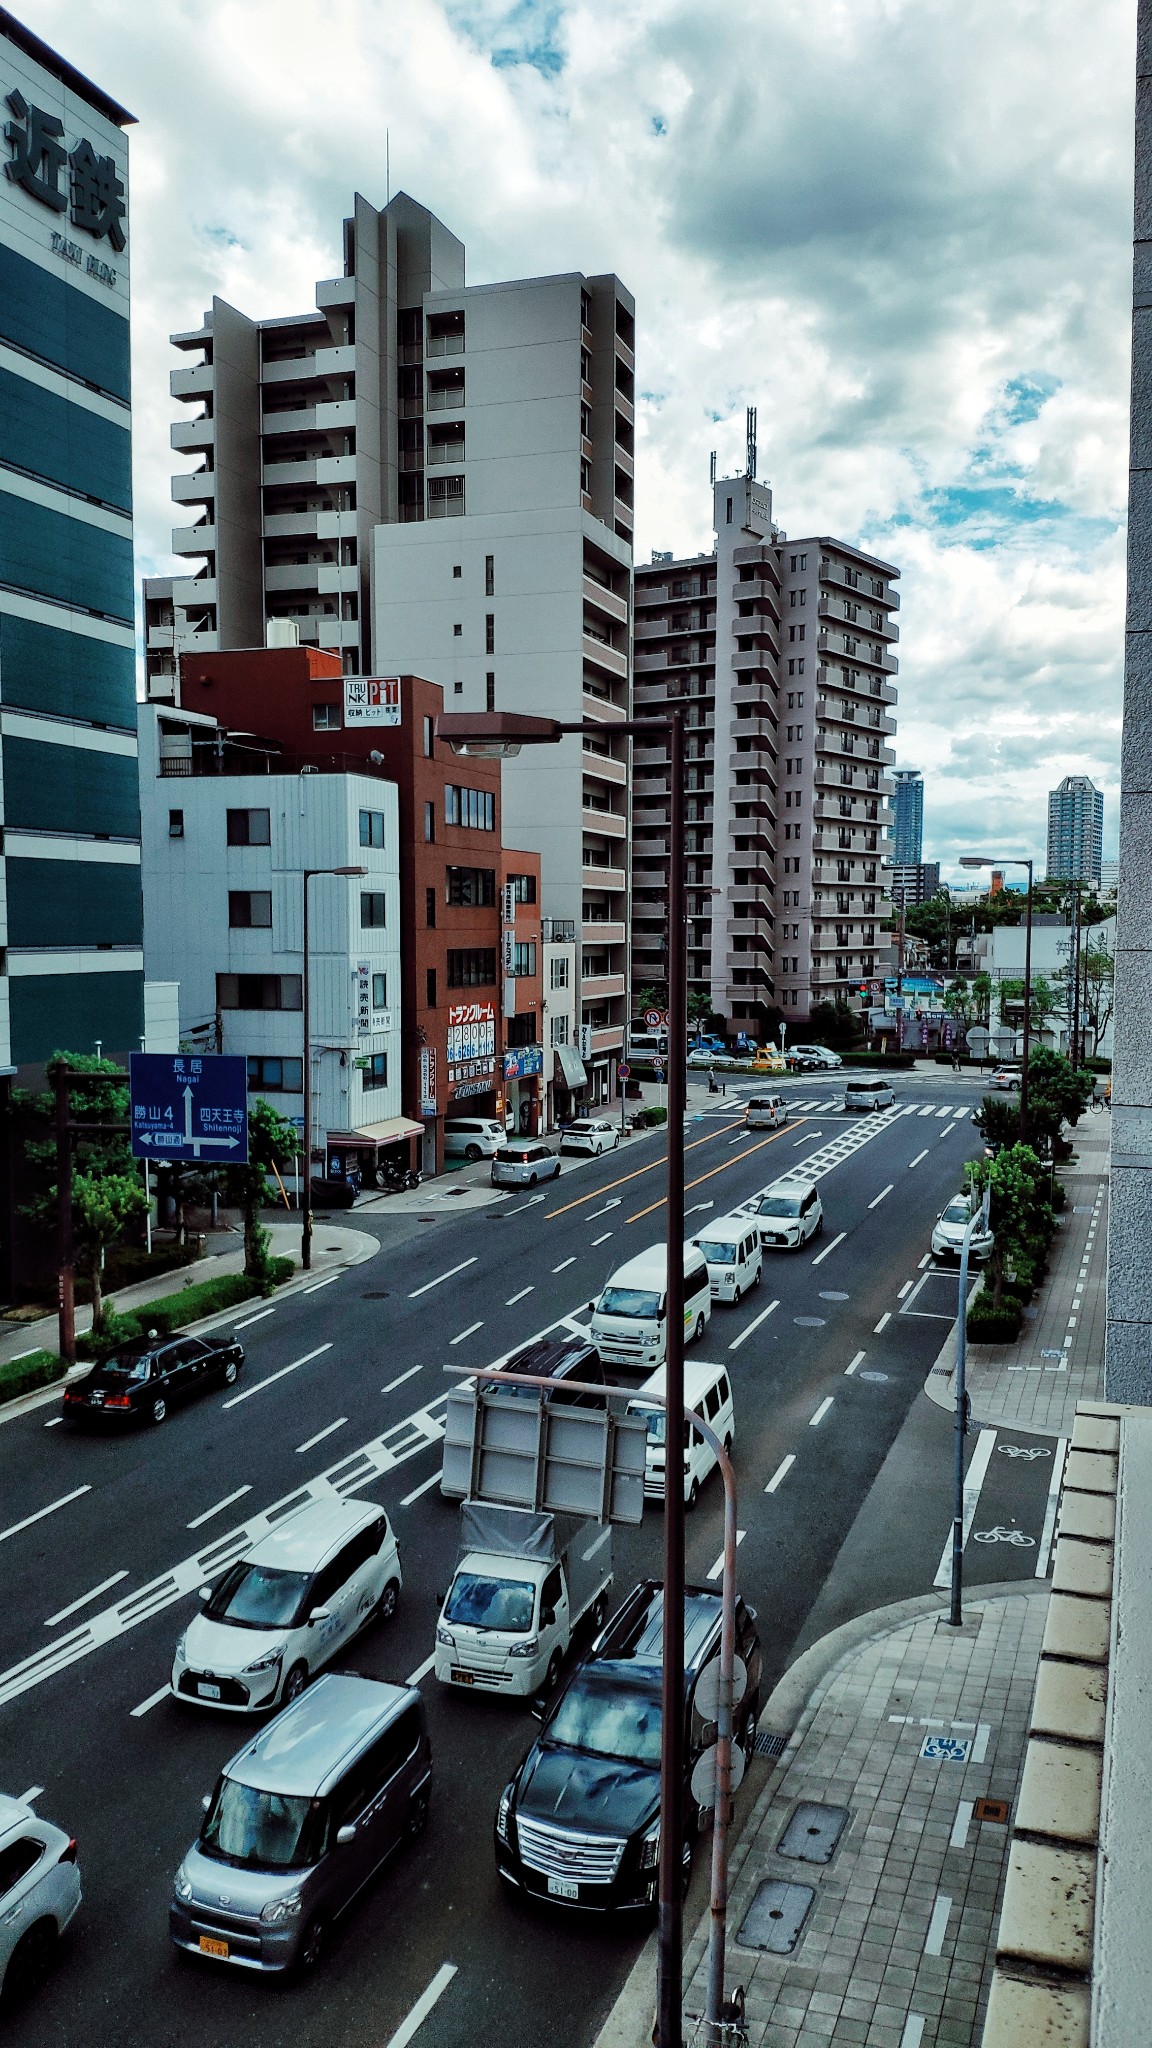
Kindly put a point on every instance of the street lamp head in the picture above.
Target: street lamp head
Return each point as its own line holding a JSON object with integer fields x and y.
{"x": 975, "y": 860}
{"x": 496, "y": 735}
{"x": 348, "y": 871}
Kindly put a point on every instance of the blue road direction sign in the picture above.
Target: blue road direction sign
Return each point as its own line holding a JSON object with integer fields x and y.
{"x": 189, "y": 1106}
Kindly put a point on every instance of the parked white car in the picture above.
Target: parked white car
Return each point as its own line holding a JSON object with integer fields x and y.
{"x": 39, "y": 1893}
{"x": 815, "y": 1056}
{"x": 948, "y": 1235}
{"x": 594, "y": 1134}
{"x": 281, "y": 1613}
{"x": 472, "y": 1137}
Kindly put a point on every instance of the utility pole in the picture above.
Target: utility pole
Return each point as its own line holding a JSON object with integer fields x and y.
{"x": 67, "y": 1284}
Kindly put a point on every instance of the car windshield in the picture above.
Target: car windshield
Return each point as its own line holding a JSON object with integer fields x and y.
{"x": 957, "y": 1211}
{"x": 255, "y": 1596}
{"x": 266, "y": 1830}
{"x": 582, "y": 1129}
{"x": 717, "y": 1252}
{"x": 477, "y": 1601}
{"x": 779, "y": 1205}
{"x": 609, "y": 1714}
{"x": 128, "y": 1368}
{"x": 629, "y": 1301}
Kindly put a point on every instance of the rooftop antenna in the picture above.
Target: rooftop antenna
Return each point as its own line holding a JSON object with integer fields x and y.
{"x": 388, "y": 166}
{"x": 751, "y": 458}
{"x": 712, "y": 470}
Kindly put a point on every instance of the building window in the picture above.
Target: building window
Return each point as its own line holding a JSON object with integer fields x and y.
{"x": 249, "y": 828}
{"x": 559, "y": 1025}
{"x": 458, "y": 688}
{"x": 373, "y": 908}
{"x": 560, "y": 979}
{"x": 371, "y": 828}
{"x": 249, "y": 908}
{"x": 490, "y": 633}
{"x": 489, "y": 691}
{"x": 524, "y": 957}
{"x": 456, "y": 569}
{"x": 258, "y": 992}
{"x": 430, "y": 909}
{"x": 473, "y": 887}
{"x": 472, "y": 967}
{"x": 458, "y": 631}
{"x": 446, "y": 497}
{"x": 523, "y": 888}
{"x": 429, "y": 822}
{"x": 430, "y": 987}
{"x": 276, "y": 1076}
{"x": 489, "y": 575}
{"x": 475, "y": 808}
{"x": 326, "y": 718}
{"x": 429, "y": 737}
{"x": 728, "y": 513}
{"x": 374, "y": 1073}
{"x": 379, "y": 991}
{"x": 521, "y": 1030}
{"x": 175, "y": 824}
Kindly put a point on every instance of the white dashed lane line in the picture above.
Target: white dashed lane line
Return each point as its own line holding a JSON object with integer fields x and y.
{"x": 469, "y": 1332}
{"x": 918, "y": 1158}
{"x": 424, "y": 2004}
{"x": 815, "y": 1420}
{"x": 514, "y": 1298}
{"x": 249, "y": 1320}
{"x": 564, "y": 1263}
{"x": 199, "y": 1521}
{"x": 753, "y": 1325}
{"x": 311, "y": 1442}
{"x": 409, "y": 1375}
{"x": 442, "y": 1277}
{"x": 717, "y": 1571}
{"x": 425, "y": 1486}
{"x": 858, "y": 1360}
{"x": 153, "y": 1700}
{"x": 885, "y": 1318}
{"x": 40, "y": 1513}
{"x": 829, "y": 1248}
{"x": 76, "y": 1605}
{"x": 781, "y": 1472}
{"x": 881, "y": 1195}
{"x": 270, "y": 1379}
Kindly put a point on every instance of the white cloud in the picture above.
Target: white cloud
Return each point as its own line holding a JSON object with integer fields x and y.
{"x": 901, "y": 228}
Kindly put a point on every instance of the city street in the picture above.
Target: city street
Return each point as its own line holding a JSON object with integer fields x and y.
{"x": 104, "y": 1540}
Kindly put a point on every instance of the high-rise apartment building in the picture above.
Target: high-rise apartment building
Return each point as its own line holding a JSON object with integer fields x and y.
{"x": 780, "y": 652}
{"x": 907, "y": 817}
{"x": 911, "y": 882}
{"x": 464, "y": 458}
{"x": 1075, "y": 831}
{"x": 71, "y": 969}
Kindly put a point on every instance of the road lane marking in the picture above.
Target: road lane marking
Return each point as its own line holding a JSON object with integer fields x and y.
{"x": 781, "y": 1472}
{"x": 601, "y": 1240}
{"x": 249, "y": 1320}
{"x": 84, "y": 1599}
{"x": 754, "y": 1325}
{"x": 55, "y": 1422}
{"x": 312, "y": 1441}
{"x": 918, "y": 1158}
{"x": 739, "y": 1138}
{"x": 821, "y": 1256}
{"x": 1048, "y": 1530}
{"x": 423, "y": 1669}
{"x": 469, "y": 1332}
{"x": 906, "y": 1289}
{"x": 529, "y": 1204}
{"x": 717, "y": 1571}
{"x": 613, "y": 1204}
{"x": 425, "y": 1486}
{"x": 153, "y": 1700}
{"x": 514, "y": 1298}
{"x": 928, "y": 1110}
{"x": 980, "y": 1746}
{"x": 271, "y": 1378}
{"x": 409, "y": 1375}
{"x": 424, "y": 2003}
{"x": 956, "y": 1113}
{"x": 885, "y": 1318}
{"x": 925, "y": 1262}
{"x": 564, "y": 1264}
{"x": 860, "y": 1355}
{"x": 317, "y": 1284}
{"x": 937, "y": 1926}
{"x": 723, "y": 1167}
{"x": 973, "y": 1481}
{"x": 815, "y": 1420}
{"x": 219, "y": 1508}
{"x": 697, "y": 1206}
{"x": 958, "y": 1839}
{"x": 41, "y": 1512}
{"x": 626, "y": 1177}
{"x": 27, "y": 1798}
{"x": 881, "y": 1195}
{"x": 442, "y": 1277}
{"x": 943, "y": 1112}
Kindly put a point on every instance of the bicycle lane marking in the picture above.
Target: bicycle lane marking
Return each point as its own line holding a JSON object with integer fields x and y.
{"x": 1006, "y": 1529}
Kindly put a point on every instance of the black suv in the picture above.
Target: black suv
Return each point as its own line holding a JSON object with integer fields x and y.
{"x": 579, "y": 1825}
{"x": 552, "y": 1360}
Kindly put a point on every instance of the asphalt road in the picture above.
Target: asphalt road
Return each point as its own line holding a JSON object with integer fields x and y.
{"x": 348, "y": 1381}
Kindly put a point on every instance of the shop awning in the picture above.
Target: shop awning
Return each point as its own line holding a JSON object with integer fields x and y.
{"x": 571, "y": 1067}
{"x": 387, "y": 1133}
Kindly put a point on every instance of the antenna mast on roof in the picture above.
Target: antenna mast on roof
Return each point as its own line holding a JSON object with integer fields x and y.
{"x": 388, "y": 166}
{"x": 750, "y": 465}
{"x": 712, "y": 469}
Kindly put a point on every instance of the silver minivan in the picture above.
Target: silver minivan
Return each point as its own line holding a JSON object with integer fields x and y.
{"x": 863, "y": 1092}
{"x": 522, "y": 1162}
{"x": 300, "y": 1820}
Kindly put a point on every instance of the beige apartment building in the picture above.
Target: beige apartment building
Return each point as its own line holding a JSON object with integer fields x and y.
{"x": 781, "y": 651}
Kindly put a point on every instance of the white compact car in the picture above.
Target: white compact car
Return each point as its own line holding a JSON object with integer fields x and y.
{"x": 948, "y": 1235}
{"x": 594, "y": 1134}
{"x": 788, "y": 1214}
{"x": 39, "y": 1892}
{"x": 1005, "y": 1078}
{"x": 814, "y": 1056}
{"x": 472, "y": 1137}
{"x": 285, "y": 1609}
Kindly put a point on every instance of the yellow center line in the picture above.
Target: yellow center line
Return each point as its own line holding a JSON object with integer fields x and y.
{"x": 635, "y": 1175}
{"x": 723, "y": 1167}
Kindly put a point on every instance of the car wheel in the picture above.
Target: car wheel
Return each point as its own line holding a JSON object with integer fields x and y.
{"x": 698, "y": 1332}
{"x": 693, "y": 1495}
{"x": 728, "y": 1444}
{"x": 531, "y": 1180}
{"x": 313, "y": 1943}
{"x": 746, "y": 1736}
{"x": 30, "y": 1962}
{"x": 759, "y": 1276}
{"x": 552, "y": 1675}
{"x": 599, "y": 1614}
{"x": 158, "y": 1410}
{"x": 737, "y": 1297}
{"x": 386, "y": 1604}
{"x": 294, "y": 1684}
{"x": 616, "y": 1141}
{"x": 418, "y": 1814}
{"x": 473, "y": 1153}
{"x": 230, "y": 1371}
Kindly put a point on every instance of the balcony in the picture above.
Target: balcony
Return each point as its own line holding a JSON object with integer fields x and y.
{"x": 599, "y": 653}
{"x": 602, "y": 708}
{"x": 611, "y": 880}
{"x": 298, "y": 525}
{"x": 196, "y": 488}
{"x": 194, "y": 383}
{"x": 336, "y": 291}
{"x": 601, "y": 931}
{"x": 192, "y": 437}
{"x": 194, "y": 540}
{"x": 605, "y": 600}
{"x": 606, "y": 824}
{"x": 603, "y": 767}
{"x": 193, "y": 590}
{"x": 597, "y": 988}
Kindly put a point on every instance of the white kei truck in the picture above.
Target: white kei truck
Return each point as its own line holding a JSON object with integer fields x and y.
{"x": 523, "y": 1582}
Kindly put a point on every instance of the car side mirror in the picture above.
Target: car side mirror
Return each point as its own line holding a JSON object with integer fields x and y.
{"x": 538, "y": 1708}
{"x": 319, "y": 1614}
{"x": 344, "y": 1836}
{"x": 548, "y": 1617}
{"x": 206, "y": 1802}
{"x": 204, "y": 1594}
{"x": 591, "y": 1307}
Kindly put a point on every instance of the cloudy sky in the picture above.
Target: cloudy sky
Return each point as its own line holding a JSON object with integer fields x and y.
{"x": 901, "y": 228}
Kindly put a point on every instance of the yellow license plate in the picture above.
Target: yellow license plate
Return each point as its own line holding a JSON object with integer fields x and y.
{"x": 211, "y": 1947}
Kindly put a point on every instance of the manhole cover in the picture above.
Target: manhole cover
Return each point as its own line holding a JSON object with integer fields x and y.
{"x": 877, "y": 1378}
{"x": 775, "y": 1917}
{"x": 813, "y": 1832}
{"x": 377, "y": 1294}
{"x": 831, "y": 1294}
{"x": 809, "y": 1322}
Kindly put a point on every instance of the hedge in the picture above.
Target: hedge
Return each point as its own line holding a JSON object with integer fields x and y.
{"x": 22, "y": 1375}
{"x": 988, "y": 1325}
{"x": 645, "y": 1119}
{"x": 176, "y": 1311}
{"x": 878, "y": 1059}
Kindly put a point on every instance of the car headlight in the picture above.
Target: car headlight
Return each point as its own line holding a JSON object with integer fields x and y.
{"x": 528, "y": 1648}
{"x": 502, "y": 1813}
{"x": 182, "y": 1648}
{"x": 650, "y": 1848}
{"x": 277, "y": 1911}
{"x": 442, "y": 1636}
{"x": 268, "y": 1663}
{"x": 181, "y": 1886}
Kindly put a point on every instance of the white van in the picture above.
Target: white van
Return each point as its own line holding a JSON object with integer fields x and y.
{"x": 862, "y": 1092}
{"x": 732, "y": 1253}
{"x": 629, "y": 1322}
{"x": 766, "y": 1112}
{"x": 708, "y": 1390}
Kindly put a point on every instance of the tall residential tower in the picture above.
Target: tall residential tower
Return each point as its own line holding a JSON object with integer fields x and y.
{"x": 907, "y": 817}
{"x": 1075, "y": 831}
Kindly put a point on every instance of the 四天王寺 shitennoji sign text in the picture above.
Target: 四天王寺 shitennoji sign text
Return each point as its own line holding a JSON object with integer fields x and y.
{"x": 189, "y": 1106}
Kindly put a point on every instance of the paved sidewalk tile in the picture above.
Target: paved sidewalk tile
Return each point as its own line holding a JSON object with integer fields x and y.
{"x": 903, "y": 1916}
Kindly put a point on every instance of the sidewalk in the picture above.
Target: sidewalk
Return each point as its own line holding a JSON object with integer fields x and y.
{"x": 901, "y": 1727}
{"x": 1058, "y": 1359}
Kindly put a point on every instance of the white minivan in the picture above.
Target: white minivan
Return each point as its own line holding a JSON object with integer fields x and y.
{"x": 472, "y": 1137}
{"x": 280, "y": 1612}
{"x": 630, "y": 1319}
{"x": 707, "y": 1389}
{"x": 733, "y": 1255}
{"x": 863, "y": 1092}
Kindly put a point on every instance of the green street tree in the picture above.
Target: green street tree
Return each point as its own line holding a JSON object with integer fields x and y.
{"x": 1047, "y": 998}
{"x": 1019, "y": 1213}
{"x": 1058, "y": 1093}
{"x": 107, "y": 1187}
{"x": 273, "y": 1142}
{"x": 1097, "y": 992}
{"x": 103, "y": 1204}
{"x": 959, "y": 1002}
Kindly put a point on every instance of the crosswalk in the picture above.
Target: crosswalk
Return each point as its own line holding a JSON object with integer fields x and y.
{"x": 826, "y": 1105}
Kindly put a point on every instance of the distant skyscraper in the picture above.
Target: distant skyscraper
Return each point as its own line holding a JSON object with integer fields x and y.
{"x": 1075, "y": 830}
{"x": 908, "y": 809}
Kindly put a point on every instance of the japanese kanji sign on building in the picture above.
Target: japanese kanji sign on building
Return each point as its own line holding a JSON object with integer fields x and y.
{"x": 75, "y": 181}
{"x": 189, "y": 1106}
{"x": 371, "y": 700}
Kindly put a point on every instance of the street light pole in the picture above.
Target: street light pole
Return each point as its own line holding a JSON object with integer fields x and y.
{"x": 955, "y": 1616}
{"x": 983, "y": 860}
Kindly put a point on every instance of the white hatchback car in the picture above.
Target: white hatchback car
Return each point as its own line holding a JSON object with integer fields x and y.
{"x": 39, "y": 1893}
{"x": 788, "y": 1214}
{"x": 951, "y": 1224}
{"x": 284, "y": 1610}
{"x": 594, "y": 1134}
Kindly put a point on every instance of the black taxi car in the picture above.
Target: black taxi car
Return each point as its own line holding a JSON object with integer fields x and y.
{"x": 143, "y": 1380}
